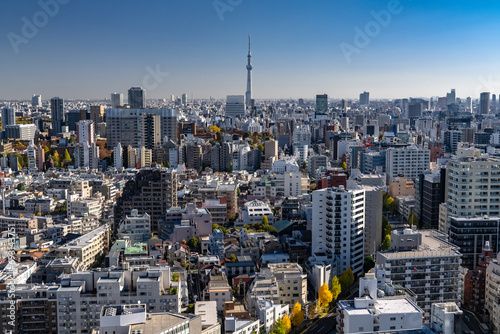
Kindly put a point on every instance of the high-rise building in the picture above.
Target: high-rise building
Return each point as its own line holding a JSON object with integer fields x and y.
{"x": 248, "y": 94}
{"x": 235, "y": 106}
{"x": 492, "y": 292}
{"x": 415, "y": 110}
{"x": 97, "y": 115}
{"x": 338, "y": 223}
{"x": 429, "y": 194}
{"x": 191, "y": 154}
{"x": 144, "y": 157}
{"x": 150, "y": 130}
{"x": 409, "y": 162}
{"x": 493, "y": 103}
{"x": 322, "y": 104}
{"x": 21, "y": 131}
{"x": 85, "y": 132}
{"x": 36, "y": 100}
{"x": 271, "y": 149}
{"x": 137, "y": 98}
{"x": 184, "y": 99}
{"x": 451, "y": 140}
{"x": 87, "y": 155}
{"x": 124, "y": 125}
{"x": 484, "y": 103}
{"x": 72, "y": 118}
{"x": 153, "y": 192}
{"x": 118, "y": 156}
{"x": 364, "y": 99}
{"x": 57, "y": 114}
{"x": 473, "y": 184}
{"x": 116, "y": 100}
{"x": 31, "y": 153}
{"x": 8, "y": 116}
{"x": 471, "y": 234}
{"x": 424, "y": 262}
{"x": 450, "y": 97}
{"x": 468, "y": 104}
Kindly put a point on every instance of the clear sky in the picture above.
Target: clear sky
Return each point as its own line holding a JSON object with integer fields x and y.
{"x": 89, "y": 49}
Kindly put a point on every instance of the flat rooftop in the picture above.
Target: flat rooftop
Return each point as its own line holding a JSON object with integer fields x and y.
{"x": 158, "y": 323}
{"x": 433, "y": 244}
{"x": 382, "y": 306}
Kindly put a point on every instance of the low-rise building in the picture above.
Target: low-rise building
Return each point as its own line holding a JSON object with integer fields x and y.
{"x": 371, "y": 313}
{"x": 88, "y": 247}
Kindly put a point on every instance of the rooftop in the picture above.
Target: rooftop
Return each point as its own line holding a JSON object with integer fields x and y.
{"x": 433, "y": 244}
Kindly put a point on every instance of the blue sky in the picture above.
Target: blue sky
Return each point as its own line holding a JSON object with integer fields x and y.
{"x": 92, "y": 48}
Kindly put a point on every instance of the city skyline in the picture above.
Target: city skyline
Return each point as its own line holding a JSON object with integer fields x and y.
{"x": 78, "y": 53}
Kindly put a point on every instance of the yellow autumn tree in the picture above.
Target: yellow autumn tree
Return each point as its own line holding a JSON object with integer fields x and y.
{"x": 297, "y": 314}
{"x": 325, "y": 296}
{"x": 287, "y": 323}
{"x": 336, "y": 288}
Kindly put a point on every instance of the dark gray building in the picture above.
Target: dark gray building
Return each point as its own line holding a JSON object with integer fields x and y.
{"x": 137, "y": 98}
{"x": 471, "y": 233}
{"x": 57, "y": 114}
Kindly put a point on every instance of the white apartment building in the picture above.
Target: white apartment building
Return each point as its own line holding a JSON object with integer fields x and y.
{"x": 253, "y": 212}
{"x": 288, "y": 184}
{"x": 338, "y": 223}
{"x": 410, "y": 162}
{"x": 135, "y": 227}
{"x": 446, "y": 318}
{"x": 282, "y": 283}
{"x": 235, "y": 326}
{"x": 426, "y": 263}
{"x": 88, "y": 247}
{"x": 286, "y": 165}
{"x": 492, "y": 292}
{"x": 85, "y": 207}
{"x": 302, "y": 134}
{"x": 473, "y": 184}
{"x": 269, "y": 313}
{"x": 82, "y": 295}
{"x": 370, "y": 313}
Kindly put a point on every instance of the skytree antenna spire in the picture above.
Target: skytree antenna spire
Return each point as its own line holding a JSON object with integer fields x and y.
{"x": 248, "y": 94}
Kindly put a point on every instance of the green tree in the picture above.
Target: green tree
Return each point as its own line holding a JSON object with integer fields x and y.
{"x": 346, "y": 279}
{"x": 413, "y": 220}
{"x": 386, "y": 245}
{"x": 67, "y": 157}
{"x": 297, "y": 314}
{"x": 304, "y": 165}
{"x": 261, "y": 147}
{"x": 386, "y": 227}
{"x": 325, "y": 295}
{"x": 279, "y": 327}
{"x": 57, "y": 159}
{"x": 21, "y": 186}
{"x": 336, "y": 288}
{"x": 175, "y": 277}
{"x": 368, "y": 264}
{"x": 193, "y": 243}
{"x": 233, "y": 258}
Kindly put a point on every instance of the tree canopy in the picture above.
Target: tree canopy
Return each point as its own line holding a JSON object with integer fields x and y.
{"x": 336, "y": 288}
